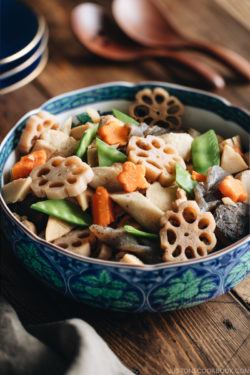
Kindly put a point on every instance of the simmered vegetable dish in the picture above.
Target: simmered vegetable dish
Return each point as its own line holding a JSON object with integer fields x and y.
{"x": 134, "y": 188}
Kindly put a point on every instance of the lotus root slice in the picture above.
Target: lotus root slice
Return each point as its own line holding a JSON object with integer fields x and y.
{"x": 35, "y": 126}
{"x": 60, "y": 178}
{"x": 187, "y": 233}
{"x": 79, "y": 241}
{"x": 158, "y": 158}
{"x": 156, "y": 106}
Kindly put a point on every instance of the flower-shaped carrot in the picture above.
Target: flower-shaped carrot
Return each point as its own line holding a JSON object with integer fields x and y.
{"x": 114, "y": 133}
{"x": 28, "y": 162}
{"x": 132, "y": 177}
{"x": 233, "y": 188}
{"x": 102, "y": 209}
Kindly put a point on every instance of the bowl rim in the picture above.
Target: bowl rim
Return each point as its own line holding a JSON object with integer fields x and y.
{"x": 145, "y": 267}
{"x": 36, "y": 55}
{"x": 41, "y": 27}
{"x": 42, "y": 61}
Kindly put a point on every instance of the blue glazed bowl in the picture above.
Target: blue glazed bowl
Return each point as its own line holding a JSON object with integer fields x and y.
{"x": 17, "y": 46}
{"x": 115, "y": 286}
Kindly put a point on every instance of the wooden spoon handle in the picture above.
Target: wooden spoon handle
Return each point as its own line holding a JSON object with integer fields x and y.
{"x": 230, "y": 58}
{"x": 201, "y": 70}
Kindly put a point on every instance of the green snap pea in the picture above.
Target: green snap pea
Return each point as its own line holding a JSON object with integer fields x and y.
{"x": 108, "y": 155}
{"x": 86, "y": 140}
{"x": 124, "y": 118}
{"x": 205, "y": 151}
{"x": 64, "y": 210}
{"x": 183, "y": 179}
{"x": 139, "y": 233}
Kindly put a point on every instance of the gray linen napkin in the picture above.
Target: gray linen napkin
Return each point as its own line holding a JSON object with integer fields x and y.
{"x": 70, "y": 347}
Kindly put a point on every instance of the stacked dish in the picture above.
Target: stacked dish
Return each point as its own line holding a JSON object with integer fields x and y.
{"x": 23, "y": 53}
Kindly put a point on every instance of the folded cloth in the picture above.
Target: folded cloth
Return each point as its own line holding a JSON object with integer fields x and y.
{"x": 70, "y": 347}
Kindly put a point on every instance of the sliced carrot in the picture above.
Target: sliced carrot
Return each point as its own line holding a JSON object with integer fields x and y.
{"x": 132, "y": 177}
{"x": 113, "y": 133}
{"x": 198, "y": 177}
{"x": 233, "y": 188}
{"x": 102, "y": 208}
{"x": 28, "y": 162}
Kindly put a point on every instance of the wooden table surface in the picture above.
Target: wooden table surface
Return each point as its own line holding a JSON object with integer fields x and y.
{"x": 210, "y": 337}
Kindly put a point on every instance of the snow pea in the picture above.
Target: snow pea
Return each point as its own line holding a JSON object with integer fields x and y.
{"x": 64, "y": 210}
{"x": 108, "y": 155}
{"x": 87, "y": 138}
{"x": 205, "y": 151}
{"x": 183, "y": 179}
{"x": 124, "y": 118}
{"x": 139, "y": 233}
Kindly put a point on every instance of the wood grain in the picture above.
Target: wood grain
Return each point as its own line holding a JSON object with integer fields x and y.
{"x": 240, "y": 10}
{"x": 210, "y": 336}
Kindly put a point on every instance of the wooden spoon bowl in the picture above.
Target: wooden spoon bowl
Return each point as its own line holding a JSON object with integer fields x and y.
{"x": 98, "y": 32}
{"x": 146, "y": 22}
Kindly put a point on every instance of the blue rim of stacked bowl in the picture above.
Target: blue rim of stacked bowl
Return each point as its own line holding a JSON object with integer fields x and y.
{"x": 22, "y": 59}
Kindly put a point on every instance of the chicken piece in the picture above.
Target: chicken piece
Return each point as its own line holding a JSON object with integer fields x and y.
{"x": 61, "y": 142}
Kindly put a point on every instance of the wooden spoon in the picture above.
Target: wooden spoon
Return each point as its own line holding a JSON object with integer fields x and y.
{"x": 146, "y": 22}
{"x": 97, "y": 31}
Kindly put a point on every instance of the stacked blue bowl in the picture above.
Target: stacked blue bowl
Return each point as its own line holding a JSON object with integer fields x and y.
{"x": 24, "y": 39}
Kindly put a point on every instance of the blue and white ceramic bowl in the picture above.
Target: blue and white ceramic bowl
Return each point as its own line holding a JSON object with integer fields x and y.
{"x": 123, "y": 287}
